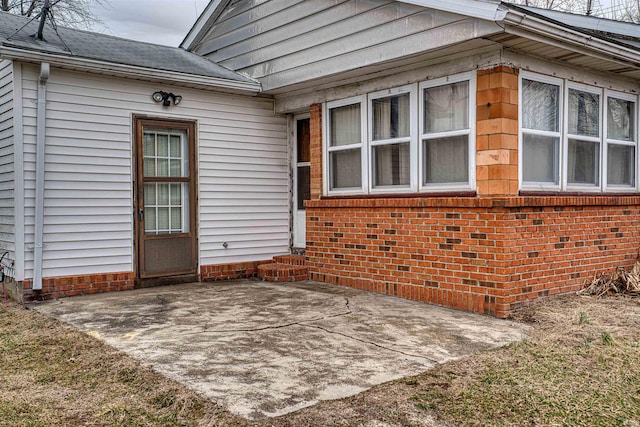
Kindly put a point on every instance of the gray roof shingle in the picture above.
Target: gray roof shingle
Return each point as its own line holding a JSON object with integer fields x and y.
{"x": 84, "y": 44}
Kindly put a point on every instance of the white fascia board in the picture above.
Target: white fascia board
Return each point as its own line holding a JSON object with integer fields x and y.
{"x": 128, "y": 71}
{"x": 520, "y": 23}
{"x": 482, "y": 9}
{"x": 202, "y": 25}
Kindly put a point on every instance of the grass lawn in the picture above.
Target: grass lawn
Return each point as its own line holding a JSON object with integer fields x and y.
{"x": 579, "y": 367}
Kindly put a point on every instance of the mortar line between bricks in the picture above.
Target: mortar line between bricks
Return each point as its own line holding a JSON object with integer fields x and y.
{"x": 371, "y": 343}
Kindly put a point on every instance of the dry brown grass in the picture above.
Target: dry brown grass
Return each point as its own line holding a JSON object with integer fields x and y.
{"x": 53, "y": 375}
{"x": 580, "y": 366}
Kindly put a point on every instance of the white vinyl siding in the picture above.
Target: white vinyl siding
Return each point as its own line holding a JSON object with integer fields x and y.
{"x": 284, "y": 42}
{"x": 7, "y": 176}
{"x": 88, "y": 227}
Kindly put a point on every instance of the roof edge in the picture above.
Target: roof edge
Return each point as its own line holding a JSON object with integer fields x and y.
{"x": 202, "y": 24}
{"x": 549, "y": 29}
{"x": 129, "y": 71}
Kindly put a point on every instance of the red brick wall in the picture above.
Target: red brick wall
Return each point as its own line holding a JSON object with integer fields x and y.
{"x": 315, "y": 143}
{"x": 487, "y": 255}
{"x": 67, "y": 286}
{"x": 237, "y": 270}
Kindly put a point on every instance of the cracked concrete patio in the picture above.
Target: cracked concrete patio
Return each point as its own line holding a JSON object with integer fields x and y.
{"x": 263, "y": 349}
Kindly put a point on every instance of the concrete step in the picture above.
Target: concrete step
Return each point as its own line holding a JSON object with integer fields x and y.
{"x": 279, "y": 272}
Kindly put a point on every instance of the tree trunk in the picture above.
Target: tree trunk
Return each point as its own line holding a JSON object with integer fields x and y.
{"x": 5, "y": 5}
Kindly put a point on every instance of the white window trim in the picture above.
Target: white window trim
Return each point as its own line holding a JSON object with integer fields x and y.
{"x": 471, "y": 131}
{"x": 411, "y": 139}
{"x": 608, "y": 93}
{"x": 542, "y": 186}
{"x": 566, "y": 136}
{"x": 326, "y": 126}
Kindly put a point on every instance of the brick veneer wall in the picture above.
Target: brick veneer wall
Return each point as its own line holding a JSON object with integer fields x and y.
{"x": 67, "y": 286}
{"x": 486, "y": 255}
{"x": 238, "y": 270}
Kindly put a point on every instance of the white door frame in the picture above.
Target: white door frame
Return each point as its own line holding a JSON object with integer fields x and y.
{"x": 299, "y": 216}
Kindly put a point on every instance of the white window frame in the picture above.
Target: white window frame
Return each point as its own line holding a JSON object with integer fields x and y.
{"x": 471, "y": 132}
{"x": 326, "y": 131}
{"x": 565, "y": 141}
{"x": 627, "y": 97}
{"x": 411, "y": 139}
{"x": 541, "y": 186}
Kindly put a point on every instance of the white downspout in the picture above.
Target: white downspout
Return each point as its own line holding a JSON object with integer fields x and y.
{"x": 41, "y": 128}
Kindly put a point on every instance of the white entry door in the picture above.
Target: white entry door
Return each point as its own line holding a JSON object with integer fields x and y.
{"x": 301, "y": 178}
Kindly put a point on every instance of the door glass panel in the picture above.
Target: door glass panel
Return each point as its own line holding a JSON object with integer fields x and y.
{"x": 303, "y": 137}
{"x": 303, "y": 185}
{"x": 165, "y": 153}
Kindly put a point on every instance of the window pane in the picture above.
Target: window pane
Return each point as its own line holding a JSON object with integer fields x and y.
{"x": 149, "y": 145}
{"x": 163, "y": 193}
{"x": 446, "y": 108}
{"x": 584, "y": 113}
{"x": 345, "y": 125}
{"x": 303, "y": 184}
{"x": 345, "y": 169}
{"x": 163, "y": 219}
{"x": 149, "y": 166}
{"x": 149, "y": 194}
{"x": 391, "y": 117}
{"x": 163, "y": 145}
{"x": 175, "y": 167}
{"x": 176, "y": 220}
{"x": 584, "y": 162}
{"x": 540, "y": 106}
{"x": 163, "y": 167}
{"x": 303, "y": 136}
{"x": 150, "y": 220}
{"x": 621, "y": 160}
{"x": 446, "y": 160}
{"x": 175, "y": 146}
{"x": 540, "y": 158}
{"x": 176, "y": 194}
{"x": 620, "y": 119}
{"x": 391, "y": 165}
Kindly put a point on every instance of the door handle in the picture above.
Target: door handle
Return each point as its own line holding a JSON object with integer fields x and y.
{"x": 141, "y": 214}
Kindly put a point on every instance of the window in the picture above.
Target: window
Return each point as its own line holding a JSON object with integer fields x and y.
{"x": 621, "y": 139}
{"x": 576, "y": 137}
{"x": 391, "y": 138}
{"x": 445, "y": 133}
{"x": 415, "y": 137}
{"x": 345, "y": 145}
{"x": 541, "y": 112}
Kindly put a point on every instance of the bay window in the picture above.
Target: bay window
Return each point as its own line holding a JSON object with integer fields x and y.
{"x": 410, "y": 138}
{"x": 589, "y": 147}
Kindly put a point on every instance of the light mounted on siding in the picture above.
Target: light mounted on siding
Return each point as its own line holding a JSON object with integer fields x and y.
{"x": 166, "y": 98}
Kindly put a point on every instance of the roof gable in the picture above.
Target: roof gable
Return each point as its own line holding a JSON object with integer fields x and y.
{"x": 483, "y": 9}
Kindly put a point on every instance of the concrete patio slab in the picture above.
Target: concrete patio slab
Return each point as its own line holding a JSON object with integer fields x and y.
{"x": 264, "y": 349}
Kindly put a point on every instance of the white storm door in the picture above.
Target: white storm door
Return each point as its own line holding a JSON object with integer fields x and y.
{"x": 301, "y": 178}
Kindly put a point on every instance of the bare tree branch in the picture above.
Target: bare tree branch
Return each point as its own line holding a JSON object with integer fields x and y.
{"x": 68, "y": 13}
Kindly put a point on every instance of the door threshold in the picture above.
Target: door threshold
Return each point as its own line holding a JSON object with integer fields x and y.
{"x": 166, "y": 280}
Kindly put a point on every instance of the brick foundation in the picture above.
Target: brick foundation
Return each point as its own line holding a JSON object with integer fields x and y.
{"x": 68, "y": 286}
{"x": 239, "y": 270}
{"x": 486, "y": 255}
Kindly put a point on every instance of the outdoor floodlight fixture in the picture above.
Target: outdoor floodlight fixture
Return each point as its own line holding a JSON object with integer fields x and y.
{"x": 166, "y": 98}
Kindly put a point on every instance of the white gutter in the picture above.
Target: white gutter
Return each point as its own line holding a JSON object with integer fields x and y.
{"x": 41, "y": 128}
{"x": 525, "y": 25}
{"x": 128, "y": 71}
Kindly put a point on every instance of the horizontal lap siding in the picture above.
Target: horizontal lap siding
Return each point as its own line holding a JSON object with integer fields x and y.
{"x": 284, "y": 42}
{"x": 242, "y": 167}
{"x": 7, "y": 183}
